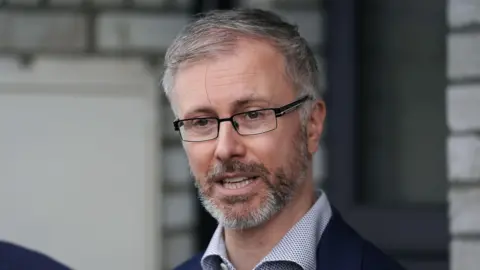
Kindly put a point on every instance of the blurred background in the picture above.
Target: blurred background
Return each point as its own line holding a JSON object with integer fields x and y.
{"x": 92, "y": 173}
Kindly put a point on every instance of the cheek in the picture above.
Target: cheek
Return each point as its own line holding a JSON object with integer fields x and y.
{"x": 199, "y": 158}
{"x": 269, "y": 150}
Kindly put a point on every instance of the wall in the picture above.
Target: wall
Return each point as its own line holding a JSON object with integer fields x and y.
{"x": 463, "y": 145}
{"x": 78, "y": 161}
{"x": 65, "y": 28}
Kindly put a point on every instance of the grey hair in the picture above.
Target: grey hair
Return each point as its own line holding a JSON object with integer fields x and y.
{"x": 216, "y": 33}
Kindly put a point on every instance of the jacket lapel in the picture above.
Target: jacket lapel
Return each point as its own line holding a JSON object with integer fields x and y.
{"x": 340, "y": 247}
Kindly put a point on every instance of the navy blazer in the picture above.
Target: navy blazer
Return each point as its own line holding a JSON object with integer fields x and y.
{"x": 340, "y": 248}
{"x": 15, "y": 257}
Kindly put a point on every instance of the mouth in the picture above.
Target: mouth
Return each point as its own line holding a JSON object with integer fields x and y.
{"x": 236, "y": 182}
{"x": 237, "y": 185}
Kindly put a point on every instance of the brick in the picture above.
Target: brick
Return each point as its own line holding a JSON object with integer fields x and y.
{"x": 463, "y": 55}
{"x": 464, "y": 211}
{"x": 175, "y": 165}
{"x": 125, "y": 31}
{"x": 463, "y": 107}
{"x": 178, "y": 248}
{"x": 463, "y": 12}
{"x": 153, "y": 2}
{"x": 24, "y": 2}
{"x": 107, "y": 2}
{"x": 179, "y": 209}
{"x": 464, "y": 158}
{"x": 464, "y": 254}
{"x": 66, "y": 2}
{"x": 42, "y": 31}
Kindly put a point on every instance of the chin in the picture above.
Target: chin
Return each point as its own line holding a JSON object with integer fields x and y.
{"x": 242, "y": 212}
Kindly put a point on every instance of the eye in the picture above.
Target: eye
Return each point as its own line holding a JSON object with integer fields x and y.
{"x": 253, "y": 115}
{"x": 201, "y": 122}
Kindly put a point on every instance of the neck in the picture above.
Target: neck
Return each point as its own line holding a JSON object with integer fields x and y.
{"x": 246, "y": 248}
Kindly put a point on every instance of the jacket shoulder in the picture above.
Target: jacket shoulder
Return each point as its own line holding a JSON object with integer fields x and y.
{"x": 342, "y": 248}
{"x": 375, "y": 259}
{"x": 13, "y": 256}
{"x": 191, "y": 264}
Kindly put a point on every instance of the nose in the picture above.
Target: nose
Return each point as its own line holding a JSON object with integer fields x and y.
{"x": 229, "y": 143}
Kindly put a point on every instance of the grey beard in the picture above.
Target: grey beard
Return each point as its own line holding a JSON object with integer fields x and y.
{"x": 279, "y": 193}
{"x": 272, "y": 205}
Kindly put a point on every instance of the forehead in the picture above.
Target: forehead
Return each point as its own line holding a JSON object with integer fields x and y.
{"x": 254, "y": 71}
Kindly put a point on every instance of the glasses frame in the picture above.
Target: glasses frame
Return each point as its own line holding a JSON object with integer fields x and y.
{"x": 279, "y": 112}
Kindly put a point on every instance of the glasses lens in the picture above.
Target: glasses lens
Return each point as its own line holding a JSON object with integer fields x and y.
{"x": 255, "y": 122}
{"x": 199, "y": 129}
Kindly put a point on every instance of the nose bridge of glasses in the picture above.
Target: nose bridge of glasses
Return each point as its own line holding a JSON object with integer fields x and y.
{"x": 229, "y": 119}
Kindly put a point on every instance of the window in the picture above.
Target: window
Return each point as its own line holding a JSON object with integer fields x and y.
{"x": 386, "y": 129}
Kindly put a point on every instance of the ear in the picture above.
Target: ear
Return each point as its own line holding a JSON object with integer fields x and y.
{"x": 315, "y": 125}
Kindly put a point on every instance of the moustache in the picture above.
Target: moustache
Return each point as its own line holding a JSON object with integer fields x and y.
{"x": 236, "y": 166}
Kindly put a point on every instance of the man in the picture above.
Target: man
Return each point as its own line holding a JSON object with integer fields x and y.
{"x": 15, "y": 257}
{"x": 244, "y": 87}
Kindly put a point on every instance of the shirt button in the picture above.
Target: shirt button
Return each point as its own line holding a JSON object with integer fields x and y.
{"x": 223, "y": 266}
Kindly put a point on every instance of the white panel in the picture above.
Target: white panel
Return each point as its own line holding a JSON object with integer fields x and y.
{"x": 78, "y": 164}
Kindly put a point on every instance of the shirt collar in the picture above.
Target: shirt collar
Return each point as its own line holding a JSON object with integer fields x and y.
{"x": 298, "y": 245}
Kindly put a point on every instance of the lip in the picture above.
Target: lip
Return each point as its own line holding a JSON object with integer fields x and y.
{"x": 219, "y": 180}
{"x": 239, "y": 191}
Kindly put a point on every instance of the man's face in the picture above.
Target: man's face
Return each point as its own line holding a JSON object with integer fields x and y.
{"x": 243, "y": 180}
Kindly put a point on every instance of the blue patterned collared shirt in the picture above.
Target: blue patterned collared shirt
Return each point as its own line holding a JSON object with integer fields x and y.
{"x": 296, "y": 250}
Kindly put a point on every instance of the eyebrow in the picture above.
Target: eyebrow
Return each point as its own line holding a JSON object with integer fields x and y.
{"x": 248, "y": 100}
{"x": 239, "y": 103}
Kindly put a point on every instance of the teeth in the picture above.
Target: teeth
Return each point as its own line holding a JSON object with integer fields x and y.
{"x": 235, "y": 179}
{"x": 236, "y": 185}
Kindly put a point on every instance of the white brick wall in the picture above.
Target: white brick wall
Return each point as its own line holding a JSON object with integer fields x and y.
{"x": 465, "y": 254}
{"x": 463, "y": 55}
{"x": 464, "y": 158}
{"x": 463, "y": 12}
{"x": 464, "y": 211}
{"x": 462, "y": 107}
{"x": 463, "y": 145}
{"x": 42, "y": 31}
{"x": 120, "y": 31}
